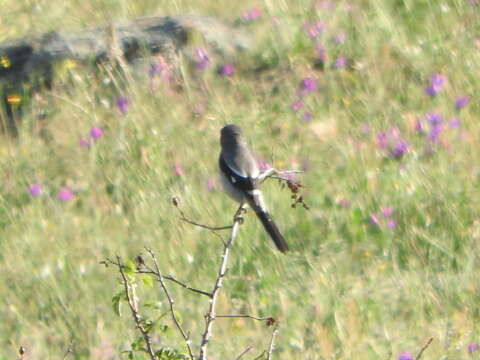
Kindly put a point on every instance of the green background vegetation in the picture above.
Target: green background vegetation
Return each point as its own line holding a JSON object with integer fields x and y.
{"x": 348, "y": 289}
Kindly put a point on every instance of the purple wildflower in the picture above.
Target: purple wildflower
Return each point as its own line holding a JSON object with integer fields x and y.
{"x": 461, "y": 102}
{"x": 434, "y": 118}
{"x": 387, "y": 212}
{"x": 96, "y": 132}
{"x": 65, "y": 195}
{"x": 399, "y": 149}
{"x": 344, "y": 203}
{"x": 251, "y": 14}
{"x": 202, "y": 58}
{"x": 35, "y": 189}
{"x": 473, "y": 347}
{"x": 391, "y": 224}
{"x": 437, "y": 81}
{"x": 314, "y": 29}
{"x": 297, "y": 105}
{"x": 435, "y": 132}
{"x": 308, "y": 86}
{"x": 155, "y": 69}
{"x": 382, "y": 140}
{"x": 454, "y": 123}
{"x": 227, "y": 70}
{"x": 405, "y": 356}
{"x": 341, "y": 62}
{"x": 419, "y": 128}
{"x": 122, "y": 104}
{"x": 307, "y": 116}
{"x": 374, "y": 220}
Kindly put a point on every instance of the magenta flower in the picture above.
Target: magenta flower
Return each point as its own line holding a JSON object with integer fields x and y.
{"x": 251, "y": 14}
{"x": 123, "y": 104}
{"x": 405, "y": 356}
{"x": 341, "y": 62}
{"x": 96, "y": 132}
{"x": 307, "y": 86}
{"x": 65, "y": 195}
{"x": 374, "y": 220}
{"x": 203, "y": 60}
{"x": 35, "y": 189}
{"x": 434, "y": 118}
{"x": 387, "y": 212}
{"x": 178, "y": 170}
{"x": 227, "y": 70}
{"x": 297, "y": 105}
{"x": 155, "y": 69}
{"x": 454, "y": 123}
{"x": 314, "y": 29}
{"x": 391, "y": 224}
{"x": 435, "y": 132}
{"x": 307, "y": 116}
{"x": 473, "y": 347}
{"x": 419, "y": 128}
{"x": 344, "y": 203}
{"x": 399, "y": 149}
{"x": 383, "y": 139}
{"x": 437, "y": 81}
{"x": 461, "y": 102}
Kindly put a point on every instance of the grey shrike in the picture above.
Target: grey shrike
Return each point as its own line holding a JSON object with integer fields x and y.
{"x": 239, "y": 175}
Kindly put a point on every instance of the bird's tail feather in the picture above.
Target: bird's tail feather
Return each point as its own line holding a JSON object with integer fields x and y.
{"x": 271, "y": 229}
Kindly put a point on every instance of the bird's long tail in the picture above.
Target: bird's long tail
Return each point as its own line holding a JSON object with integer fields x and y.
{"x": 271, "y": 228}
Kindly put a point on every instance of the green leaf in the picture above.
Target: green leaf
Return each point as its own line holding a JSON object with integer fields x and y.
{"x": 148, "y": 280}
{"x": 129, "y": 268}
{"x": 117, "y": 304}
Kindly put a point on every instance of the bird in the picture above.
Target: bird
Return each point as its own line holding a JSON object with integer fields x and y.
{"x": 239, "y": 174}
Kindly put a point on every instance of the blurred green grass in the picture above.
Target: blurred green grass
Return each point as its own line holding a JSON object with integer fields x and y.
{"x": 349, "y": 289}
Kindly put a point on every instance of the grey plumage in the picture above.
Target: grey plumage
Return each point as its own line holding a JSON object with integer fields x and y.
{"x": 239, "y": 172}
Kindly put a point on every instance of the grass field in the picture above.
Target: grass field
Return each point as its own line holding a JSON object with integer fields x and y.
{"x": 385, "y": 259}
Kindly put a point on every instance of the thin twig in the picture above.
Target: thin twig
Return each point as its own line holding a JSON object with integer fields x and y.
{"x": 134, "y": 310}
{"x": 272, "y": 343}
{"x": 171, "y": 303}
{"x": 423, "y": 349}
{"x": 260, "y": 356}
{"x": 269, "y": 173}
{"x": 184, "y": 218}
{"x": 172, "y": 279}
{"x": 244, "y": 352}
{"x": 268, "y": 319}
{"x": 186, "y": 286}
{"x": 210, "y": 317}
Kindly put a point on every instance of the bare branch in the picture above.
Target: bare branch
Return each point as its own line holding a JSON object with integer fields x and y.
{"x": 272, "y": 343}
{"x": 244, "y": 352}
{"x": 210, "y": 317}
{"x": 171, "y": 303}
{"x": 178, "y": 282}
{"x": 267, "y": 319}
{"x": 423, "y": 349}
{"x": 269, "y": 173}
{"x": 132, "y": 303}
{"x": 184, "y": 218}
